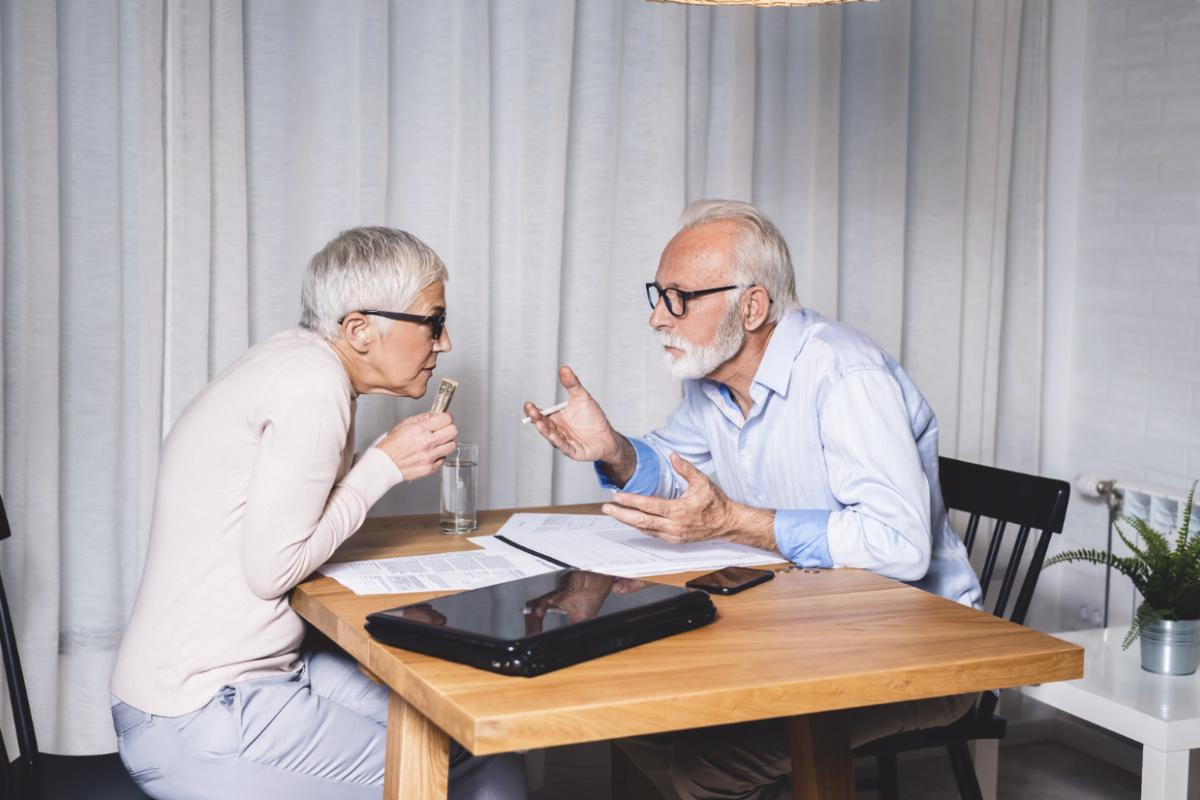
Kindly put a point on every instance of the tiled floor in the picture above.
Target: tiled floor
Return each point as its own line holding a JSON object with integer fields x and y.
{"x": 1042, "y": 771}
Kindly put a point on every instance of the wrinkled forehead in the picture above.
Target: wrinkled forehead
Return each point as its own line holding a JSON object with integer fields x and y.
{"x": 699, "y": 257}
{"x": 432, "y": 296}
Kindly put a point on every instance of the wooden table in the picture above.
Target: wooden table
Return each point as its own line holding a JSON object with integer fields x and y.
{"x": 807, "y": 645}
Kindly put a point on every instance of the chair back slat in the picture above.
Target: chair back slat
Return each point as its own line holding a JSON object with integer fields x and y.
{"x": 18, "y": 696}
{"x": 1031, "y": 577}
{"x": 989, "y": 561}
{"x": 1010, "y": 573}
{"x": 969, "y": 539}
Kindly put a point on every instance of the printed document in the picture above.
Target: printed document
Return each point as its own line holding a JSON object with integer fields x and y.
{"x": 439, "y": 572}
{"x": 601, "y": 544}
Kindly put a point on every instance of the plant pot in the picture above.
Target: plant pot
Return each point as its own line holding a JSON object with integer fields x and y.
{"x": 1171, "y": 647}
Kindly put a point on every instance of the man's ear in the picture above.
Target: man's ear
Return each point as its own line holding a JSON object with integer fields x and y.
{"x": 358, "y": 332}
{"x": 756, "y": 306}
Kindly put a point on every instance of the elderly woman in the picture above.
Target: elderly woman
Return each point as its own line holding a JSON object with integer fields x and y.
{"x": 257, "y": 487}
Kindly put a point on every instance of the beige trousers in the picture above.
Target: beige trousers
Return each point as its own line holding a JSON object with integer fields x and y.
{"x": 752, "y": 761}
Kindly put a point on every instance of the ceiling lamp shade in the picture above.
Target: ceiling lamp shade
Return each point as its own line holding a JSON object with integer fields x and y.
{"x": 764, "y": 3}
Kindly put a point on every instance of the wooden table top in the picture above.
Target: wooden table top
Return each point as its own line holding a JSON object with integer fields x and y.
{"x": 805, "y": 642}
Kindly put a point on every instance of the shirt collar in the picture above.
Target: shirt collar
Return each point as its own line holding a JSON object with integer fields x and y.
{"x": 775, "y": 369}
{"x": 774, "y": 372}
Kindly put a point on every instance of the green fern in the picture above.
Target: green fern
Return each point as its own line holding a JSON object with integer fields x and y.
{"x": 1145, "y": 616}
{"x": 1167, "y": 577}
{"x": 1184, "y": 537}
{"x": 1158, "y": 549}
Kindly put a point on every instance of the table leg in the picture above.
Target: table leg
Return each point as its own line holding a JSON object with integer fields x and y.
{"x": 822, "y": 767}
{"x": 987, "y": 766}
{"x": 1164, "y": 775}
{"x": 418, "y": 755}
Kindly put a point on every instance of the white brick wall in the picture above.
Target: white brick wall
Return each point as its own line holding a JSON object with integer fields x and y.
{"x": 1135, "y": 359}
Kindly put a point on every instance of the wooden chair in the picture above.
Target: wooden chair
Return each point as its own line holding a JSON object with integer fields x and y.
{"x": 43, "y": 776}
{"x": 1032, "y": 504}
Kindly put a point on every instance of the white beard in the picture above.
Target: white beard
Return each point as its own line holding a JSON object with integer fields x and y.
{"x": 698, "y": 361}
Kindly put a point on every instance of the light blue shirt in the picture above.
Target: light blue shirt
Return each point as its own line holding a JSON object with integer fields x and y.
{"x": 838, "y": 441}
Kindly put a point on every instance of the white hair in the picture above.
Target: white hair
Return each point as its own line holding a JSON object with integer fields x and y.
{"x": 760, "y": 254}
{"x": 381, "y": 269}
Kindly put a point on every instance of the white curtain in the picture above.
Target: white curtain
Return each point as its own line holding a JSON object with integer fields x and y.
{"x": 169, "y": 167}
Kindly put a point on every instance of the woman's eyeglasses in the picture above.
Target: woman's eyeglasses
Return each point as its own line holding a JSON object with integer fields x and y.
{"x": 436, "y": 322}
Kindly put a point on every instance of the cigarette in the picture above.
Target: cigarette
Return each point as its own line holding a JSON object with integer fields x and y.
{"x": 554, "y": 409}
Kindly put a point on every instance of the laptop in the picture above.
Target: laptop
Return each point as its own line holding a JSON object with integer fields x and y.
{"x": 535, "y": 625}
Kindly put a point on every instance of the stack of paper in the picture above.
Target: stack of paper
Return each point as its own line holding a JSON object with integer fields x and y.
{"x": 434, "y": 573}
{"x": 601, "y": 544}
{"x": 532, "y": 544}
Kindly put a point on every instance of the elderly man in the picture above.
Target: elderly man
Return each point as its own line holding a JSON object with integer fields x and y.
{"x": 797, "y": 435}
{"x": 257, "y": 487}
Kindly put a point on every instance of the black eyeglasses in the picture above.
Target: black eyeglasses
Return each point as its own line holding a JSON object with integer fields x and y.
{"x": 436, "y": 322}
{"x": 676, "y": 299}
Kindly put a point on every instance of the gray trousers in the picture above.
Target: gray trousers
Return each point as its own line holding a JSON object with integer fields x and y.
{"x": 317, "y": 733}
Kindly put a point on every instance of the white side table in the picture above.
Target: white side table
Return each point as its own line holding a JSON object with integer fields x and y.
{"x": 1162, "y": 712}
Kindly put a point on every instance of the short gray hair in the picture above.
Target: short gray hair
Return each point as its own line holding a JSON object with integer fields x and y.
{"x": 760, "y": 254}
{"x": 365, "y": 268}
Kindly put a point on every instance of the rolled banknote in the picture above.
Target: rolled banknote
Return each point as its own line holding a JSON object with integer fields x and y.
{"x": 445, "y": 391}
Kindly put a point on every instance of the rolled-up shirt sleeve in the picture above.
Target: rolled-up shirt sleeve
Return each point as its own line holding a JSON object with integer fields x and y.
{"x": 801, "y": 535}
{"x": 645, "y": 477}
{"x": 875, "y": 473}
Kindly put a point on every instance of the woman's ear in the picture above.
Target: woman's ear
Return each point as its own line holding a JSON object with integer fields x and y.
{"x": 358, "y": 332}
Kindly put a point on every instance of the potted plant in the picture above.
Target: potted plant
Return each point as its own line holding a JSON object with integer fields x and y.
{"x": 1168, "y": 578}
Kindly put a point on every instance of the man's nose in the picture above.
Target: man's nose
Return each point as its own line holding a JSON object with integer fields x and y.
{"x": 660, "y": 317}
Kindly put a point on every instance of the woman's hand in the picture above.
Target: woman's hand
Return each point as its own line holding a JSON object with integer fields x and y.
{"x": 420, "y": 444}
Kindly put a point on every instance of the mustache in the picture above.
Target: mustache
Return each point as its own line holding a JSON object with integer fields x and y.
{"x": 668, "y": 339}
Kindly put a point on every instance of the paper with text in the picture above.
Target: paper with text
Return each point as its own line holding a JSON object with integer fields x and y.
{"x": 601, "y": 544}
{"x": 438, "y": 572}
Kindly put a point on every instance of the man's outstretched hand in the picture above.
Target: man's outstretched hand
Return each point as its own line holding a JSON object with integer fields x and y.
{"x": 582, "y": 432}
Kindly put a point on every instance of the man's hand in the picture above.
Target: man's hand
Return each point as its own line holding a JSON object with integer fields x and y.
{"x": 581, "y": 431}
{"x": 424, "y": 613}
{"x": 700, "y": 513}
{"x": 420, "y": 444}
{"x": 579, "y": 596}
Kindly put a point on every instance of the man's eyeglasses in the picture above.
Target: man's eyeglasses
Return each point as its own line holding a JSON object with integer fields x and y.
{"x": 436, "y": 322}
{"x": 676, "y": 299}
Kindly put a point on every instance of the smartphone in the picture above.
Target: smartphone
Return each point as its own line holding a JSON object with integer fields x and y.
{"x": 730, "y": 580}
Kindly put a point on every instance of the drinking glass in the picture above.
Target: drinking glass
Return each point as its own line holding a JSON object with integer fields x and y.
{"x": 460, "y": 475}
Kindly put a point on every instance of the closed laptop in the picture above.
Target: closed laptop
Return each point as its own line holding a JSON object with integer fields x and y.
{"x": 535, "y": 625}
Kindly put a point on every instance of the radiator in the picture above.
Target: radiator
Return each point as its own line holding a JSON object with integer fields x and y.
{"x": 1162, "y": 508}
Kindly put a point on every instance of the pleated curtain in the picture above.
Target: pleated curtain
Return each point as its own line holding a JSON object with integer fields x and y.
{"x": 169, "y": 168}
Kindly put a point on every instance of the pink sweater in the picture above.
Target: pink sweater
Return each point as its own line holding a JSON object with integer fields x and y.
{"x": 255, "y": 491}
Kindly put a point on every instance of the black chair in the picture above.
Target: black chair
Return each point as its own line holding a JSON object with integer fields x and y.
{"x": 43, "y": 776}
{"x": 1030, "y": 503}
